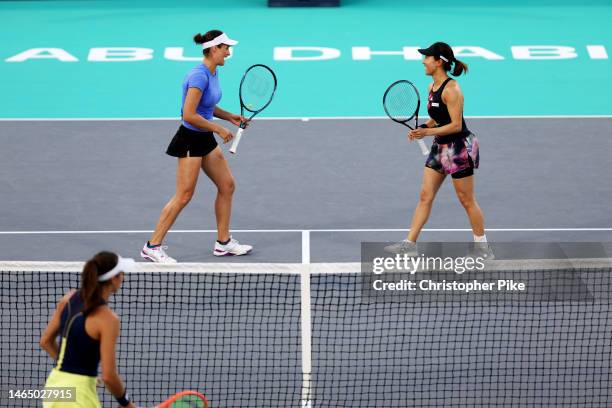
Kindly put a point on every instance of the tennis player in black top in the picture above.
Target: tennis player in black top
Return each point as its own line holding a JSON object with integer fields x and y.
{"x": 88, "y": 330}
{"x": 454, "y": 149}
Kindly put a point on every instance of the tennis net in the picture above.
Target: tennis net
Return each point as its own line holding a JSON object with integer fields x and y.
{"x": 253, "y": 335}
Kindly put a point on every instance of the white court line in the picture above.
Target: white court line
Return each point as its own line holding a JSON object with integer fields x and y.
{"x": 141, "y": 119}
{"x": 85, "y": 232}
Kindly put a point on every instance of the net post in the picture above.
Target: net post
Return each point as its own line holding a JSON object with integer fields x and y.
{"x": 306, "y": 323}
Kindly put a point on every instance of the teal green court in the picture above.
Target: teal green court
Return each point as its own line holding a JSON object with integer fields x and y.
{"x": 126, "y": 59}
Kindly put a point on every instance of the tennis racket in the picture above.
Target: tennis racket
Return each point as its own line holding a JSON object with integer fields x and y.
{"x": 257, "y": 88}
{"x": 401, "y": 102}
{"x": 185, "y": 399}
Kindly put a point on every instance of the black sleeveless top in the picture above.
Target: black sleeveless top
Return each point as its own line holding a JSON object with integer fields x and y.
{"x": 79, "y": 353}
{"x": 438, "y": 111}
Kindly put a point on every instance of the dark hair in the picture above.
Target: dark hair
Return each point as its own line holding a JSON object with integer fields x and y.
{"x": 91, "y": 288}
{"x": 460, "y": 68}
{"x": 209, "y": 36}
{"x": 447, "y": 52}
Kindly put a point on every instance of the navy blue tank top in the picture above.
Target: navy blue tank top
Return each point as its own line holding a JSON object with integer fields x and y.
{"x": 79, "y": 353}
{"x": 438, "y": 111}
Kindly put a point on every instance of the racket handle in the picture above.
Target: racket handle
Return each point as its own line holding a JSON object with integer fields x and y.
{"x": 423, "y": 147}
{"x": 236, "y": 140}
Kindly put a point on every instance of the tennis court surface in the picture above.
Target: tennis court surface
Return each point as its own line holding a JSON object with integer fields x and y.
{"x": 87, "y": 111}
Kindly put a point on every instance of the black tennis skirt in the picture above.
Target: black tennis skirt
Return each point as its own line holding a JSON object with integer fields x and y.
{"x": 189, "y": 143}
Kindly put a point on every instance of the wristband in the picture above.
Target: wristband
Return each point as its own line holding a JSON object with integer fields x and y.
{"x": 124, "y": 400}
{"x": 424, "y": 126}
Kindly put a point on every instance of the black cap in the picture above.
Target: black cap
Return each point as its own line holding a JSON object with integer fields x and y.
{"x": 439, "y": 50}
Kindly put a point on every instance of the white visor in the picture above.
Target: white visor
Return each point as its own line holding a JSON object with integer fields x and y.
{"x": 221, "y": 39}
{"x": 124, "y": 265}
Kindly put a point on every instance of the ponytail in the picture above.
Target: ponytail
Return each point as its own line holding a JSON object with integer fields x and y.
{"x": 91, "y": 287}
{"x": 460, "y": 68}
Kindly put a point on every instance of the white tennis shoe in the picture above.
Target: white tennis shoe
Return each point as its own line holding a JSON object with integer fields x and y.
{"x": 233, "y": 247}
{"x": 156, "y": 254}
{"x": 482, "y": 250}
{"x": 403, "y": 247}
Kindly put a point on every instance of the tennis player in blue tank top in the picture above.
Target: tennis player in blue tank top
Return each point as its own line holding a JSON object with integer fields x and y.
{"x": 454, "y": 150}
{"x": 196, "y": 149}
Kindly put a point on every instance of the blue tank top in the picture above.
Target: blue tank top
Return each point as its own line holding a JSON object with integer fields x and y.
{"x": 79, "y": 353}
{"x": 200, "y": 77}
{"x": 438, "y": 111}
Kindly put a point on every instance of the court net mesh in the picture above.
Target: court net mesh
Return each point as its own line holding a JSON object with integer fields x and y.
{"x": 235, "y": 336}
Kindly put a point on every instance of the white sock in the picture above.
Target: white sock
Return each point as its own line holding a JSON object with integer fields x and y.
{"x": 480, "y": 239}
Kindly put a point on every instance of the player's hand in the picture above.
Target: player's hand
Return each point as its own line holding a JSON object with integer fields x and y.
{"x": 238, "y": 119}
{"x": 225, "y": 134}
{"x": 417, "y": 133}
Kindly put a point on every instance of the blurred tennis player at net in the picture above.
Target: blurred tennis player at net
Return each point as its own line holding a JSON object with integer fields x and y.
{"x": 454, "y": 150}
{"x": 196, "y": 149}
{"x": 88, "y": 331}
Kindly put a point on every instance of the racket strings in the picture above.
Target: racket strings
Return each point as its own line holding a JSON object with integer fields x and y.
{"x": 257, "y": 88}
{"x": 188, "y": 402}
{"x": 401, "y": 101}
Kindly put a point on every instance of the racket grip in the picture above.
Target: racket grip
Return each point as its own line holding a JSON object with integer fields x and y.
{"x": 423, "y": 147}
{"x": 236, "y": 141}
